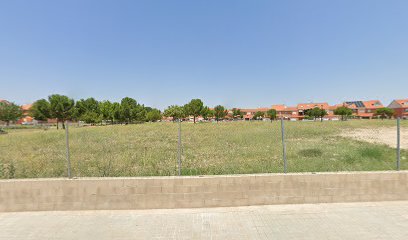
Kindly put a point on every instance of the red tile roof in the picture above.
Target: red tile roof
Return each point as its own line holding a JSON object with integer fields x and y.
{"x": 334, "y": 107}
{"x": 373, "y": 104}
{"x": 26, "y": 107}
{"x": 305, "y": 106}
{"x": 292, "y": 109}
{"x": 254, "y": 110}
{"x": 283, "y": 108}
{"x": 402, "y": 102}
{"x": 279, "y": 107}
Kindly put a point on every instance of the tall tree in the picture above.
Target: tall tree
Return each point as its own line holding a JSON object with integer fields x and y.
{"x": 316, "y": 113}
{"x": 271, "y": 113}
{"x": 9, "y": 112}
{"x": 131, "y": 111}
{"x": 153, "y": 115}
{"x": 106, "y": 109}
{"x": 87, "y": 110}
{"x": 194, "y": 108}
{"x": 41, "y": 110}
{"x": 175, "y": 111}
{"x": 384, "y": 112}
{"x": 207, "y": 113}
{"x": 116, "y": 111}
{"x": 237, "y": 113}
{"x": 219, "y": 112}
{"x": 61, "y": 108}
{"x": 321, "y": 114}
{"x": 344, "y": 112}
{"x": 91, "y": 117}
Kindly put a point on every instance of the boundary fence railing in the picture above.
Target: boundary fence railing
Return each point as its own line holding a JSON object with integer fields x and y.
{"x": 188, "y": 149}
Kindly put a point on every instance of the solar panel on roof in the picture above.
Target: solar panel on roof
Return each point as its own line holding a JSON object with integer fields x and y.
{"x": 357, "y": 103}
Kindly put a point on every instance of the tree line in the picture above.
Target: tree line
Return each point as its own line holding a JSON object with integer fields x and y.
{"x": 91, "y": 111}
{"x": 195, "y": 108}
{"x": 128, "y": 110}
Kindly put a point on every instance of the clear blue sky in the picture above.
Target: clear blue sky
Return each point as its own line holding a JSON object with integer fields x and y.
{"x": 234, "y": 52}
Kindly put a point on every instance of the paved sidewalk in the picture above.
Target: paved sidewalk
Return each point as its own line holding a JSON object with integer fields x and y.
{"x": 382, "y": 220}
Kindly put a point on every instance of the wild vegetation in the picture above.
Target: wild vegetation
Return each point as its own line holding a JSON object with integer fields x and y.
{"x": 207, "y": 148}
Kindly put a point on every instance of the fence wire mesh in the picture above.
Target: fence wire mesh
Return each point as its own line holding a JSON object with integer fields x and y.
{"x": 404, "y": 144}
{"x": 210, "y": 148}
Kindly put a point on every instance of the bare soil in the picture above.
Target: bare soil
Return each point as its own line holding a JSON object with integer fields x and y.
{"x": 384, "y": 135}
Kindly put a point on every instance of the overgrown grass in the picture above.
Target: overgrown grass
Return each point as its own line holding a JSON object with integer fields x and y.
{"x": 150, "y": 149}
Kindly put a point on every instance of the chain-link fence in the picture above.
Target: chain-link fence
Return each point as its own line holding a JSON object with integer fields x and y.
{"x": 210, "y": 148}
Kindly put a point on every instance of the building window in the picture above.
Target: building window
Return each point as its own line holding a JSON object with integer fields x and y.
{"x": 406, "y": 110}
{"x": 368, "y": 110}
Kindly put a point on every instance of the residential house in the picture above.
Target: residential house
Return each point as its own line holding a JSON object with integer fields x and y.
{"x": 27, "y": 118}
{"x": 303, "y": 107}
{"x": 364, "y": 109}
{"x": 400, "y": 107}
{"x": 250, "y": 112}
{"x": 285, "y": 112}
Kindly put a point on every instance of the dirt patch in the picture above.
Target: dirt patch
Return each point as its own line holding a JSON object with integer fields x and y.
{"x": 386, "y": 136}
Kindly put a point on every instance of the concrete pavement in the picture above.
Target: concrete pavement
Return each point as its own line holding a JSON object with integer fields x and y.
{"x": 377, "y": 220}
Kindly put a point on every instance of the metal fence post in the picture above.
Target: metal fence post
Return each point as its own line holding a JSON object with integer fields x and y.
{"x": 398, "y": 143}
{"x": 284, "y": 146}
{"x": 179, "y": 148}
{"x": 67, "y": 148}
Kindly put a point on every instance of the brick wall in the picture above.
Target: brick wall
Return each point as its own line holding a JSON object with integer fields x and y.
{"x": 207, "y": 191}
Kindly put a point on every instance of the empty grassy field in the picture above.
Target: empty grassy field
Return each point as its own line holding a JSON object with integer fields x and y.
{"x": 150, "y": 149}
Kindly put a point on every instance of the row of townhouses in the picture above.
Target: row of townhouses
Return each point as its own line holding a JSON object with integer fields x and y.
{"x": 361, "y": 109}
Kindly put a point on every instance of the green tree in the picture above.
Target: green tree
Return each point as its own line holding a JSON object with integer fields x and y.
{"x": 316, "y": 113}
{"x": 206, "y": 113}
{"x": 236, "y": 112}
{"x": 91, "y": 117}
{"x": 9, "y": 112}
{"x": 107, "y": 111}
{"x": 344, "y": 112}
{"x": 61, "y": 108}
{"x": 131, "y": 111}
{"x": 219, "y": 112}
{"x": 127, "y": 106}
{"x": 41, "y": 110}
{"x": 321, "y": 114}
{"x": 154, "y": 115}
{"x": 211, "y": 113}
{"x": 271, "y": 113}
{"x": 116, "y": 110}
{"x": 258, "y": 115}
{"x": 88, "y": 111}
{"x": 384, "y": 112}
{"x": 175, "y": 111}
{"x": 194, "y": 108}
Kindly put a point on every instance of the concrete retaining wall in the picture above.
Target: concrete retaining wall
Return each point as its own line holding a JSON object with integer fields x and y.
{"x": 207, "y": 191}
